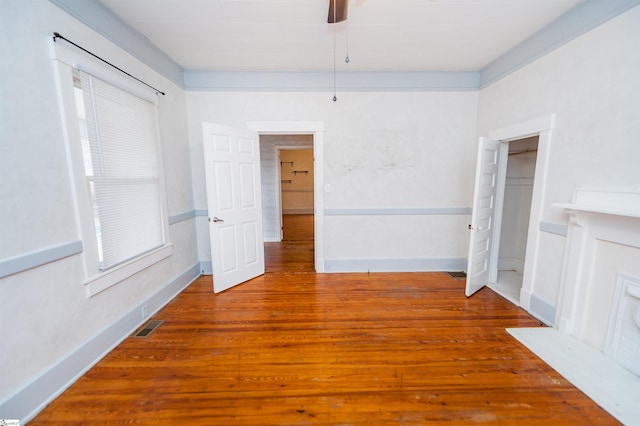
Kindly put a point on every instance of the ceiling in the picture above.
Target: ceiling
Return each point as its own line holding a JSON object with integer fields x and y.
{"x": 379, "y": 35}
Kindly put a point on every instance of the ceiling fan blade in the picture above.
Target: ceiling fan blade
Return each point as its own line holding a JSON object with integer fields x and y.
{"x": 341, "y": 9}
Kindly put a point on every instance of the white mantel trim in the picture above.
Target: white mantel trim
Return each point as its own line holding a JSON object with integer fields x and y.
{"x": 607, "y": 215}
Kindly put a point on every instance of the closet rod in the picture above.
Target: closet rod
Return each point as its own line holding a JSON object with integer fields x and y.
{"x": 57, "y": 36}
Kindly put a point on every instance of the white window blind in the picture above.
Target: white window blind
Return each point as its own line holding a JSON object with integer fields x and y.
{"x": 121, "y": 165}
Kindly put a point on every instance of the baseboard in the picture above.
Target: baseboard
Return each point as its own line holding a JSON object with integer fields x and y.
{"x": 395, "y": 265}
{"x": 206, "y": 267}
{"x": 34, "y": 397}
{"x": 542, "y": 310}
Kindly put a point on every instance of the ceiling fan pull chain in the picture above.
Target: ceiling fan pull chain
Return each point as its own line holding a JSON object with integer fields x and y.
{"x": 346, "y": 59}
{"x": 335, "y": 98}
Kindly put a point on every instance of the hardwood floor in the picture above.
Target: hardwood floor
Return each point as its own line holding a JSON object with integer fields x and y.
{"x": 296, "y": 347}
{"x": 295, "y": 252}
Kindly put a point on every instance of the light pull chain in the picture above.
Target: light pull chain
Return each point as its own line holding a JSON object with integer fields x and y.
{"x": 346, "y": 59}
{"x": 335, "y": 98}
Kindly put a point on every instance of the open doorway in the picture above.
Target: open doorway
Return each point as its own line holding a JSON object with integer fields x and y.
{"x": 516, "y": 212}
{"x": 490, "y": 188}
{"x": 287, "y": 169}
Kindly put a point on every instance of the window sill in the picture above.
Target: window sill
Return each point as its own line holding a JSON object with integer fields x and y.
{"x": 104, "y": 280}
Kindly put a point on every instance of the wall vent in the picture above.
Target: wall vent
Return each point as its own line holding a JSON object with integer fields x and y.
{"x": 149, "y": 328}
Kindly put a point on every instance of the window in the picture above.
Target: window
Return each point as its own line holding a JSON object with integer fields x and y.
{"x": 115, "y": 165}
{"x": 118, "y": 135}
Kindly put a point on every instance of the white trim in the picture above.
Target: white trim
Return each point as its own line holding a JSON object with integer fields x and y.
{"x": 79, "y": 185}
{"x": 582, "y": 18}
{"x": 501, "y": 178}
{"x": 103, "y": 21}
{"x": 524, "y": 129}
{"x": 65, "y": 60}
{"x": 541, "y": 126}
{"x": 31, "y": 399}
{"x": 352, "y": 81}
{"x": 75, "y": 58}
{"x": 38, "y": 258}
{"x": 132, "y": 87}
{"x": 111, "y": 277}
{"x": 177, "y": 218}
{"x": 315, "y": 128}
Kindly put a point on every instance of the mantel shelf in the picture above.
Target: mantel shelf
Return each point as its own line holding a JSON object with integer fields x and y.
{"x": 604, "y": 201}
{"x": 584, "y": 208}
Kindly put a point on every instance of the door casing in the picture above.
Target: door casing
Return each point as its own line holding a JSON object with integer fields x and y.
{"x": 315, "y": 128}
{"x": 543, "y": 127}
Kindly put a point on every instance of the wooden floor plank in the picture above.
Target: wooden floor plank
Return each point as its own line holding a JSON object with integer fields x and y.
{"x": 294, "y": 347}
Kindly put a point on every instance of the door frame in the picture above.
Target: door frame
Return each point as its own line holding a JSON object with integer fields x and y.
{"x": 315, "y": 128}
{"x": 543, "y": 127}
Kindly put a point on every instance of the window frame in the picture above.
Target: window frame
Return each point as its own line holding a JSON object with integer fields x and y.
{"x": 65, "y": 60}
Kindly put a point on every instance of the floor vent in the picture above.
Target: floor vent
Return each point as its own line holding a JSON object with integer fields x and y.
{"x": 460, "y": 274}
{"x": 149, "y": 328}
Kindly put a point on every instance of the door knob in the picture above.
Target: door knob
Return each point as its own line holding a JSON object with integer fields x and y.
{"x": 215, "y": 219}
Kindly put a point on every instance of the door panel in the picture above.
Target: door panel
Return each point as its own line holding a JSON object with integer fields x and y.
{"x": 232, "y": 173}
{"x": 482, "y": 218}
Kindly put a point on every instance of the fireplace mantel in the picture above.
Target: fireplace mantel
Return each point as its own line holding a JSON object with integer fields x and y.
{"x": 601, "y": 222}
{"x": 601, "y": 265}
{"x": 608, "y": 202}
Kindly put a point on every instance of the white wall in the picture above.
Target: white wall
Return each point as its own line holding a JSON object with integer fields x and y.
{"x": 49, "y": 325}
{"x": 593, "y": 85}
{"x": 382, "y": 150}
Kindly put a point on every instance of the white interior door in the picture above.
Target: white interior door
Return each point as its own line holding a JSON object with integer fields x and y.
{"x": 482, "y": 217}
{"x": 232, "y": 173}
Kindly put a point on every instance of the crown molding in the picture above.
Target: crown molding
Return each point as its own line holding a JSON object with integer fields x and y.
{"x": 584, "y": 17}
{"x": 96, "y": 16}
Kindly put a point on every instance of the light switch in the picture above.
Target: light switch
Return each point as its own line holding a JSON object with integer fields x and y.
{"x": 327, "y": 187}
